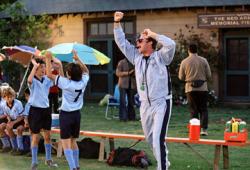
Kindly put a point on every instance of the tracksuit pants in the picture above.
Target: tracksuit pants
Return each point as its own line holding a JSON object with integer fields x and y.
{"x": 155, "y": 118}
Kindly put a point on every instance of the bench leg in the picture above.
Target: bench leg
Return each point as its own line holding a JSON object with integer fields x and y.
{"x": 101, "y": 150}
{"x": 217, "y": 157}
{"x": 111, "y": 144}
{"x": 59, "y": 149}
{"x": 225, "y": 157}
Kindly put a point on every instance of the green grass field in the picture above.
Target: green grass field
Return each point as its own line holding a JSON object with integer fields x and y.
{"x": 181, "y": 157}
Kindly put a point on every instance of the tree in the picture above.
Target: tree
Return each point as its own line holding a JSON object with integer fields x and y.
{"x": 7, "y": 2}
{"x": 21, "y": 28}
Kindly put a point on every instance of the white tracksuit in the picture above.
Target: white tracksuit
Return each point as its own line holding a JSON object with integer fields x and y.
{"x": 154, "y": 88}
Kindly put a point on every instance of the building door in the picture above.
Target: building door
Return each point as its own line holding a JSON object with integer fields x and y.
{"x": 100, "y": 36}
{"x": 237, "y": 68}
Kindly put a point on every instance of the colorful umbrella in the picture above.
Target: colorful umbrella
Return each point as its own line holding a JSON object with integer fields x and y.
{"x": 21, "y": 54}
{"x": 88, "y": 55}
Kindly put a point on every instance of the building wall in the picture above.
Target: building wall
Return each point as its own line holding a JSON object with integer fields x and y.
{"x": 162, "y": 22}
{"x": 70, "y": 29}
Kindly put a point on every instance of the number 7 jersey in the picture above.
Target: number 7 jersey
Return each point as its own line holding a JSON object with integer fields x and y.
{"x": 72, "y": 92}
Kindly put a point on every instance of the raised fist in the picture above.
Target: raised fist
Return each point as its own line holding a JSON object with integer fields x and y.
{"x": 148, "y": 33}
{"x": 48, "y": 54}
{"x": 118, "y": 16}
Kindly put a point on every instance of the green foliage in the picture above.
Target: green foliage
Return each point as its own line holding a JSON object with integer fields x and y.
{"x": 12, "y": 73}
{"x": 21, "y": 28}
{"x": 7, "y": 2}
{"x": 205, "y": 49}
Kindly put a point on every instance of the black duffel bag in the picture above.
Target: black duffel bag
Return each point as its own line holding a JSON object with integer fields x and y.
{"x": 128, "y": 157}
{"x": 89, "y": 148}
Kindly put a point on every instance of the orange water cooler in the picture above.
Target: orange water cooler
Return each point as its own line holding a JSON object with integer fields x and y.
{"x": 194, "y": 129}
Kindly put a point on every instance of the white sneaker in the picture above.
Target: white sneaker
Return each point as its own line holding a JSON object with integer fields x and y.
{"x": 203, "y": 132}
{"x": 50, "y": 163}
{"x": 34, "y": 167}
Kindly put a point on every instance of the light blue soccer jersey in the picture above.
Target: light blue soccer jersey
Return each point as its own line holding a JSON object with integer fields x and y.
{"x": 15, "y": 111}
{"x": 39, "y": 91}
{"x": 72, "y": 92}
{"x": 26, "y": 109}
{"x": 1, "y": 106}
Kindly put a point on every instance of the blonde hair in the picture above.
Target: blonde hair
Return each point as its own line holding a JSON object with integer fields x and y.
{"x": 2, "y": 88}
{"x": 8, "y": 91}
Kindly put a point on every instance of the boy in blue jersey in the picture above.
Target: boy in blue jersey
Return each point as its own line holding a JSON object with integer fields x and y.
{"x": 39, "y": 114}
{"x": 13, "y": 108}
{"x": 3, "y": 123}
{"x": 72, "y": 101}
{"x": 26, "y": 107}
{"x": 26, "y": 112}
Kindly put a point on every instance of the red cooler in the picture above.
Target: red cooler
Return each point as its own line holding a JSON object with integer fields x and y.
{"x": 194, "y": 129}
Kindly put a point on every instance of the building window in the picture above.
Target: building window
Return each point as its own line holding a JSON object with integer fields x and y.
{"x": 110, "y": 28}
{"x": 237, "y": 54}
{"x": 94, "y": 29}
{"x": 99, "y": 35}
{"x": 107, "y": 28}
{"x": 128, "y": 27}
{"x": 102, "y": 28}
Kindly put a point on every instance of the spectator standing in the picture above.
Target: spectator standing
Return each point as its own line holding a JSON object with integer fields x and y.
{"x": 127, "y": 86}
{"x": 195, "y": 71}
{"x": 54, "y": 91}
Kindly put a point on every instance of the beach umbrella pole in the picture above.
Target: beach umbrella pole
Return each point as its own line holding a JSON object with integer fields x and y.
{"x": 24, "y": 78}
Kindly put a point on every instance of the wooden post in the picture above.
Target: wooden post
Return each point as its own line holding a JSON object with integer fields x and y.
{"x": 111, "y": 144}
{"x": 217, "y": 157}
{"x": 225, "y": 157}
{"x": 59, "y": 149}
{"x": 101, "y": 150}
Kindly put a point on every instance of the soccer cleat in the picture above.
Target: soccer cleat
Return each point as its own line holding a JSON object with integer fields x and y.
{"x": 50, "y": 163}
{"x": 13, "y": 151}
{"x": 19, "y": 152}
{"x": 29, "y": 154}
{"x": 34, "y": 167}
{"x": 5, "y": 149}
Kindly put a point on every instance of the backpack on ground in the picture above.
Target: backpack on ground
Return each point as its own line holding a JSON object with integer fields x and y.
{"x": 89, "y": 148}
{"x": 128, "y": 157}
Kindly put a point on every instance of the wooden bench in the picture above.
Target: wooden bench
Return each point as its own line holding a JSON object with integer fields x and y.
{"x": 219, "y": 144}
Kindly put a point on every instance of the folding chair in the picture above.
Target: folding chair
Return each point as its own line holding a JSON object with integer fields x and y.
{"x": 137, "y": 100}
{"x": 113, "y": 102}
